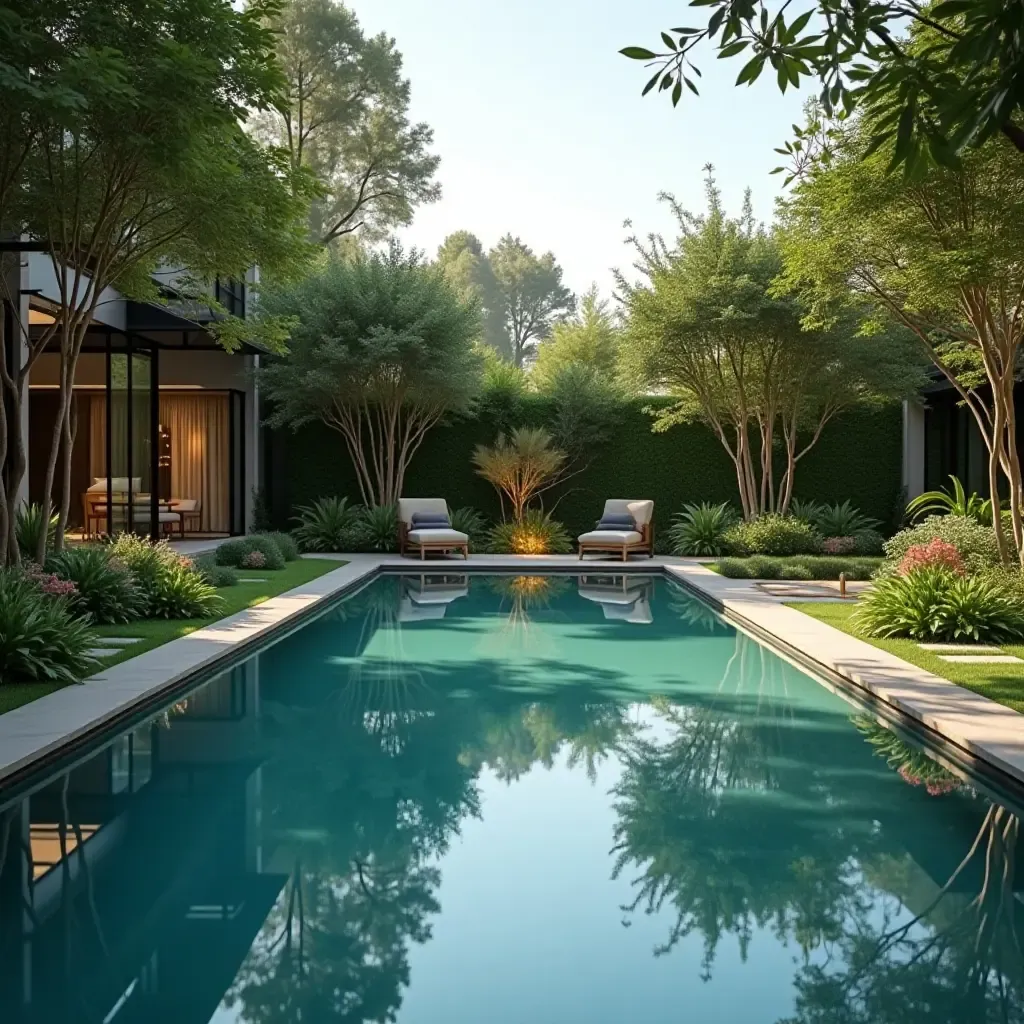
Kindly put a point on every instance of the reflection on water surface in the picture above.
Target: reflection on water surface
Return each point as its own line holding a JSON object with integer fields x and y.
{"x": 458, "y": 798}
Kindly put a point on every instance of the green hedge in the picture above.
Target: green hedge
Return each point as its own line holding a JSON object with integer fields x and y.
{"x": 858, "y": 457}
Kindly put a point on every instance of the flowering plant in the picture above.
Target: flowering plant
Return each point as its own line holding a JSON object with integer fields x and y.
{"x": 936, "y": 554}
{"x": 47, "y": 582}
{"x": 838, "y": 545}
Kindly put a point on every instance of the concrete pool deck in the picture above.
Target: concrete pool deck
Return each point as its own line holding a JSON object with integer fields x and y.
{"x": 62, "y": 721}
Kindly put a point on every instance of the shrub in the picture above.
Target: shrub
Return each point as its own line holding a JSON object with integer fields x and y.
{"x": 48, "y": 583}
{"x": 838, "y": 545}
{"x": 173, "y": 587}
{"x": 473, "y": 524}
{"x": 772, "y": 534}
{"x": 936, "y": 553}
{"x": 106, "y": 589}
{"x": 868, "y": 542}
{"x": 253, "y": 560}
{"x": 232, "y": 552}
{"x": 798, "y": 567}
{"x": 841, "y": 520}
{"x": 327, "y": 525}
{"x": 182, "y": 593}
{"x": 376, "y": 528}
{"x": 285, "y": 542}
{"x": 700, "y": 529}
{"x": 41, "y": 639}
{"x": 535, "y": 534}
{"x": 806, "y": 510}
{"x": 976, "y": 543}
{"x": 28, "y": 526}
{"x": 214, "y": 574}
{"x": 936, "y": 604}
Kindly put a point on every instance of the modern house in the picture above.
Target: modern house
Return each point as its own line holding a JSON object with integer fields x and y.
{"x": 166, "y": 424}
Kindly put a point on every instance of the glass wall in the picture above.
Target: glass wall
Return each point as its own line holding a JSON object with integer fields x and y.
{"x": 130, "y": 443}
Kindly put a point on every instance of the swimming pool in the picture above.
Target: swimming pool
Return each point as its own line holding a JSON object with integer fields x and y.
{"x": 510, "y": 799}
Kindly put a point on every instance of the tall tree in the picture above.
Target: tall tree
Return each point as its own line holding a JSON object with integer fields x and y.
{"x": 151, "y": 167}
{"x": 941, "y": 258}
{"x": 590, "y": 338}
{"x": 964, "y": 87}
{"x": 708, "y": 326}
{"x": 344, "y": 116}
{"x": 469, "y": 271}
{"x": 381, "y": 351}
{"x": 533, "y": 296}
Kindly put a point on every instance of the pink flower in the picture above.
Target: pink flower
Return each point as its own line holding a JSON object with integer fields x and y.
{"x": 50, "y": 584}
{"x": 936, "y": 554}
{"x": 838, "y": 545}
{"x": 254, "y": 560}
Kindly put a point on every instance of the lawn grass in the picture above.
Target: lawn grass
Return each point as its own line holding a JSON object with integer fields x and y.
{"x": 155, "y": 632}
{"x": 1001, "y": 683}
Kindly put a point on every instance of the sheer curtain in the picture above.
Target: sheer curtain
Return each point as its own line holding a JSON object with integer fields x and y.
{"x": 198, "y": 427}
{"x": 200, "y": 451}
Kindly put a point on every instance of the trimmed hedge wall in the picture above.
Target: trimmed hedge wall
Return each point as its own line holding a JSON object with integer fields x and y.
{"x": 858, "y": 457}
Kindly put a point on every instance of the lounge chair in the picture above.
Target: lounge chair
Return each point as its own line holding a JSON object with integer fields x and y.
{"x": 626, "y": 527}
{"x": 429, "y": 597}
{"x": 424, "y": 524}
{"x": 619, "y": 599}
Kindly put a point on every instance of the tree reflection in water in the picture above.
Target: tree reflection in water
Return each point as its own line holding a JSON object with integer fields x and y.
{"x": 735, "y": 826}
{"x": 740, "y": 814}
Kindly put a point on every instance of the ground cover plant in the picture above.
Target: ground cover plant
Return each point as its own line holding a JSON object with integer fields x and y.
{"x": 233, "y": 553}
{"x": 797, "y": 567}
{"x": 42, "y": 640}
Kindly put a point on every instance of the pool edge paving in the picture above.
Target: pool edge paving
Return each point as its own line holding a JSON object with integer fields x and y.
{"x": 988, "y": 731}
{"x": 53, "y": 725}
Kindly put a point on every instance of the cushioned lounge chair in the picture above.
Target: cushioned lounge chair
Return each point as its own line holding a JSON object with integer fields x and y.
{"x": 626, "y": 527}
{"x": 414, "y": 536}
{"x": 429, "y": 599}
{"x": 619, "y": 599}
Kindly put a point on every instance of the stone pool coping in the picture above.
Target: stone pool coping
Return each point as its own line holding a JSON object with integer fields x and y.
{"x": 60, "y": 722}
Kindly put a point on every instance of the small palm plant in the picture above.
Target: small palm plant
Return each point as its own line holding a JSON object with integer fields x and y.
{"x": 954, "y": 501}
{"x": 700, "y": 529}
{"x": 520, "y": 466}
{"x": 326, "y": 525}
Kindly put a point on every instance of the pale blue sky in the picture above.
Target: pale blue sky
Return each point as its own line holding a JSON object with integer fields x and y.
{"x": 542, "y": 132}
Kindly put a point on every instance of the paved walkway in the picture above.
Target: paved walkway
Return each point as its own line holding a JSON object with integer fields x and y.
{"x": 44, "y": 727}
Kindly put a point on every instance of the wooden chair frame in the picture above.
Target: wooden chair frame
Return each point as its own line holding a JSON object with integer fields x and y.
{"x": 439, "y": 546}
{"x": 644, "y": 545}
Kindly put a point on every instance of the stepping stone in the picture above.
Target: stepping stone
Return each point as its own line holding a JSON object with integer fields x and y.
{"x": 982, "y": 659}
{"x": 121, "y": 641}
{"x": 104, "y": 652}
{"x": 960, "y": 648}
{"x": 252, "y": 579}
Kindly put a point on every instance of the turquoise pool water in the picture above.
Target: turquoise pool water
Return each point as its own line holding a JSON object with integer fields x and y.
{"x": 510, "y": 800}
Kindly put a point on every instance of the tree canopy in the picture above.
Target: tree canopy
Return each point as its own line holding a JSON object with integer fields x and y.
{"x": 590, "y": 338}
{"x": 961, "y": 88}
{"x": 939, "y": 257}
{"x": 709, "y": 326}
{"x": 532, "y": 294}
{"x": 381, "y": 351}
{"x": 132, "y": 157}
{"x": 344, "y": 116}
{"x": 469, "y": 270}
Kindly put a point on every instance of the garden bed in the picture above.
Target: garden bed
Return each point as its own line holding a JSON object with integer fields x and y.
{"x": 1003, "y": 683}
{"x": 797, "y": 567}
{"x": 155, "y": 632}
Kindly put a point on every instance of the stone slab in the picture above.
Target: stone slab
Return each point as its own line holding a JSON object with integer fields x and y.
{"x": 981, "y": 659}
{"x": 959, "y": 648}
{"x": 104, "y": 652}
